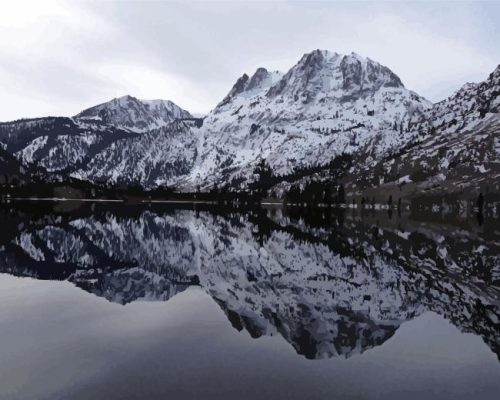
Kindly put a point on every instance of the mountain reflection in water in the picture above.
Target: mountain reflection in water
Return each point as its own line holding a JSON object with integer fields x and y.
{"x": 330, "y": 283}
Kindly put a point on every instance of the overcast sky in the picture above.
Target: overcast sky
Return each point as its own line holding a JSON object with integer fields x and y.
{"x": 57, "y": 58}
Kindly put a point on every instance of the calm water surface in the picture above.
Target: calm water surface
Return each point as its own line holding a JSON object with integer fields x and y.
{"x": 103, "y": 302}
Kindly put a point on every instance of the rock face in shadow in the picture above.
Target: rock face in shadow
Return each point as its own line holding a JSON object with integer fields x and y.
{"x": 330, "y": 284}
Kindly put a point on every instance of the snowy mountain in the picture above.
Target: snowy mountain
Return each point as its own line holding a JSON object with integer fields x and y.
{"x": 65, "y": 145}
{"x": 325, "y": 105}
{"x": 133, "y": 114}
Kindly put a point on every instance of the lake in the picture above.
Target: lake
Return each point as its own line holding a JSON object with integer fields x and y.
{"x": 102, "y": 301}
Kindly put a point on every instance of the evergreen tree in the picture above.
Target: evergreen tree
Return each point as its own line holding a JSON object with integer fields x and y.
{"x": 341, "y": 194}
{"x": 293, "y": 194}
{"x": 328, "y": 195}
{"x": 480, "y": 202}
{"x": 264, "y": 177}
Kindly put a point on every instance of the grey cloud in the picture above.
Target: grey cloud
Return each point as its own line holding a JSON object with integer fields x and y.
{"x": 434, "y": 48}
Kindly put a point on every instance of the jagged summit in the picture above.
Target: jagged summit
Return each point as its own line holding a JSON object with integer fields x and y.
{"x": 247, "y": 86}
{"x": 335, "y": 75}
{"x": 128, "y": 112}
{"x": 320, "y": 72}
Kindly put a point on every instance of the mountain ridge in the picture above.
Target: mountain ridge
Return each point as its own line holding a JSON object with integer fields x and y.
{"x": 325, "y": 105}
{"x": 131, "y": 113}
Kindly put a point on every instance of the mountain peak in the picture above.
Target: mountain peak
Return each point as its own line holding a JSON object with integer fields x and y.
{"x": 130, "y": 113}
{"x": 257, "y": 78}
{"x": 319, "y": 71}
{"x": 316, "y": 57}
{"x": 247, "y": 86}
{"x": 335, "y": 74}
{"x": 237, "y": 88}
{"x": 123, "y": 100}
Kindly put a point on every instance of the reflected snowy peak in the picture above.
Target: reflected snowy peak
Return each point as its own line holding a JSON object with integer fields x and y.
{"x": 330, "y": 283}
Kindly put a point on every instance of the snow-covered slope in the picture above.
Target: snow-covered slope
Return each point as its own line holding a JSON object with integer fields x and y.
{"x": 142, "y": 130}
{"x": 158, "y": 157}
{"x": 57, "y": 144}
{"x": 324, "y": 105}
{"x": 136, "y": 115}
{"x": 460, "y": 152}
